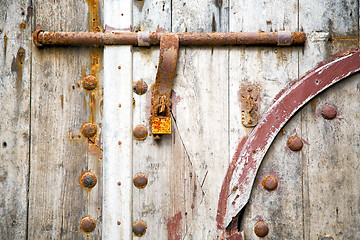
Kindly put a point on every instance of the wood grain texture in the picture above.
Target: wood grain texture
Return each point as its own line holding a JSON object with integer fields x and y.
{"x": 59, "y": 154}
{"x": 328, "y": 208}
{"x": 202, "y": 114}
{"x": 15, "y": 68}
{"x": 271, "y": 69}
{"x": 155, "y": 204}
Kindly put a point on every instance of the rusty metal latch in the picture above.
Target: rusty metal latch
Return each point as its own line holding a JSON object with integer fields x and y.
{"x": 160, "y": 119}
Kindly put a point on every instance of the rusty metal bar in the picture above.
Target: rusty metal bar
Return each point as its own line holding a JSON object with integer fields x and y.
{"x": 281, "y": 38}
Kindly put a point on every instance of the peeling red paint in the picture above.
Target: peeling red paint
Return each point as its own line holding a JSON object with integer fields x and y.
{"x": 109, "y": 28}
{"x": 174, "y": 227}
{"x": 287, "y": 104}
{"x": 225, "y": 186}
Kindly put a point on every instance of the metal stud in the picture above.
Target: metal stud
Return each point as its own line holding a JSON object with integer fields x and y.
{"x": 88, "y": 129}
{"x": 88, "y": 179}
{"x": 87, "y": 224}
{"x": 270, "y": 183}
{"x": 140, "y": 132}
{"x": 89, "y": 82}
{"x": 329, "y": 112}
{"x": 295, "y": 143}
{"x": 139, "y": 228}
{"x": 140, "y": 87}
{"x": 261, "y": 229}
{"x": 140, "y": 180}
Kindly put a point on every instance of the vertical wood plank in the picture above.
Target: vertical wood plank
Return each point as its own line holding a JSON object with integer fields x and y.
{"x": 15, "y": 59}
{"x": 117, "y": 203}
{"x": 328, "y": 210}
{"x": 59, "y": 153}
{"x": 152, "y": 204}
{"x": 201, "y": 115}
{"x": 271, "y": 69}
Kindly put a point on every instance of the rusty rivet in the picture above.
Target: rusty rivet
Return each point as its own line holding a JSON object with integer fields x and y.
{"x": 89, "y": 82}
{"x": 140, "y": 87}
{"x": 329, "y": 112}
{"x": 87, "y": 224}
{"x": 140, "y": 132}
{"x": 88, "y": 179}
{"x": 295, "y": 143}
{"x": 140, "y": 180}
{"x": 270, "y": 183}
{"x": 88, "y": 129}
{"x": 139, "y": 228}
{"x": 261, "y": 229}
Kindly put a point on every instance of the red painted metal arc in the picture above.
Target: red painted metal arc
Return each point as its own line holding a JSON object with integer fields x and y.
{"x": 242, "y": 176}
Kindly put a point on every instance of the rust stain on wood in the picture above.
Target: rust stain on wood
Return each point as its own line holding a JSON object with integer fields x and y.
{"x": 94, "y": 16}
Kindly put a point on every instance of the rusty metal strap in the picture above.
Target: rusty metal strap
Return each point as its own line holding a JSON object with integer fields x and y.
{"x": 160, "y": 118}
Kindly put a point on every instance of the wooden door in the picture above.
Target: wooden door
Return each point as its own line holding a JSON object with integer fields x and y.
{"x": 44, "y": 155}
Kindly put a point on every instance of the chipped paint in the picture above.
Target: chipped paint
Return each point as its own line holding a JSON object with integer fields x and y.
{"x": 174, "y": 227}
{"x": 287, "y": 104}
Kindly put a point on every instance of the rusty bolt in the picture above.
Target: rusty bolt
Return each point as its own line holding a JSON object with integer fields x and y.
{"x": 140, "y": 180}
{"x": 140, "y": 132}
{"x": 329, "y": 112}
{"x": 88, "y": 129}
{"x": 270, "y": 183}
{"x": 295, "y": 143}
{"x": 89, "y": 82}
{"x": 140, "y": 87}
{"x": 261, "y": 229}
{"x": 88, "y": 179}
{"x": 87, "y": 224}
{"x": 139, "y": 228}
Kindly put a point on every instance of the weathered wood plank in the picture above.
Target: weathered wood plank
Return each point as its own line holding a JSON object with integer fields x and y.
{"x": 271, "y": 69}
{"x": 117, "y": 204}
{"x": 15, "y": 59}
{"x": 326, "y": 164}
{"x": 154, "y": 203}
{"x": 59, "y": 154}
{"x": 201, "y": 85}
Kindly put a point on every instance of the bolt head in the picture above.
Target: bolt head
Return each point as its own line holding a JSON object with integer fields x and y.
{"x": 88, "y": 130}
{"x": 140, "y": 87}
{"x": 295, "y": 143}
{"x": 329, "y": 112}
{"x": 270, "y": 183}
{"x": 261, "y": 229}
{"x": 89, "y": 82}
{"x": 88, "y": 179}
{"x": 140, "y": 180}
{"x": 140, "y": 132}
{"x": 87, "y": 224}
{"x": 139, "y": 228}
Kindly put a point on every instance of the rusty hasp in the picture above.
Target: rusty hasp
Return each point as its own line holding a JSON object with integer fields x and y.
{"x": 145, "y": 39}
{"x": 249, "y": 95}
{"x": 160, "y": 119}
{"x": 242, "y": 171}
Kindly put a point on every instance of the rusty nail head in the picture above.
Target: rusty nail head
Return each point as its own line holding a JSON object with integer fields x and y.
{"x": 139, "y": 228}
{"x": 261, "y": 229}
{"x": 329, "y": 112}
{"x": 295, "y": 143}
{"x": 89, "y": 82}
{"x": 87, "y": 224}
{"x": 270, "y": 183}
{"x": 88, "y": 130}
{"x": 140, "y": 180}
{"x": 140, "y": 132}
{"x": 140, "y": 87}
{"x": 88, "y": 179}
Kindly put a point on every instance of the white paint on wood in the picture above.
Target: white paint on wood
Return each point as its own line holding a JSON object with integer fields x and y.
{"x": 117, "y": 127}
